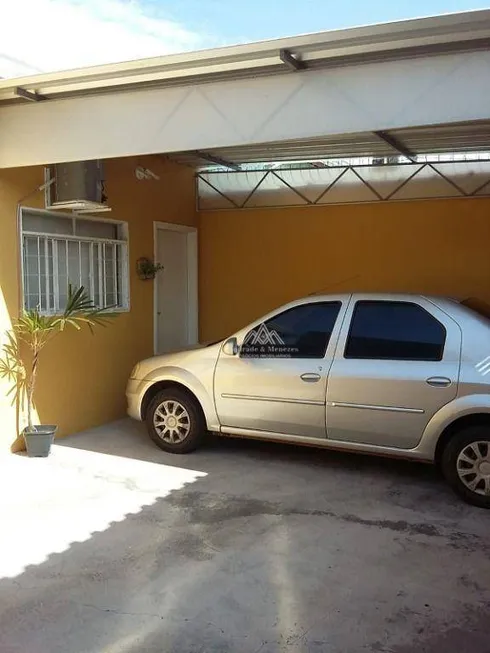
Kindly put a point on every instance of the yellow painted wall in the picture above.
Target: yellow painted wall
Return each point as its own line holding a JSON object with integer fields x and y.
{"x": 13, "y": 187}
{"x": 83, "y": 377}
{"x": 249, "y": 262}
{"x": 254, "y": 260}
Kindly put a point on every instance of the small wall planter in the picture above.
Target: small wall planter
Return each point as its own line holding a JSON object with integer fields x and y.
{"x": 146, "y": 269}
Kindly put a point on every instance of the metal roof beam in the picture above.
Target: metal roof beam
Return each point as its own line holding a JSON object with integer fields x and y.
{"x": 291, "y": 61}
{"x": 213, "y": 158}
{"x": 396, "y": 144}
{"x": 452, "y": 33}
{"x": 32, "y": 96}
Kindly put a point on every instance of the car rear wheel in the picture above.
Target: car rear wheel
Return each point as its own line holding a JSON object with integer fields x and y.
{"x": 466, "y": 465}
{"x": 175, "y": 421}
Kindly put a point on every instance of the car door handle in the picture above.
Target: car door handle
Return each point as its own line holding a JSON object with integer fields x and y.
{"x": 310, "y": 377}
{"x": 438, "y": 381}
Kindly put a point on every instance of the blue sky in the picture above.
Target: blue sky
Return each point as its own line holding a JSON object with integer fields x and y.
{"x": 63, "y": 34}
{"x": 246, "y": 20}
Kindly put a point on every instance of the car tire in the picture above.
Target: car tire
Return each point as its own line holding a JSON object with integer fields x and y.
{"x": 466, "y": 465}
{"x": 182, "y": 434}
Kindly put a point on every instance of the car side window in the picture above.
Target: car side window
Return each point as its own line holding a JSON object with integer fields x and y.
{"x": 394, "y": 331}
{"x": 300, "y": 332}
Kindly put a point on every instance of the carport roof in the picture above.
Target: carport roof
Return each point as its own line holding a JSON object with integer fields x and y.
{"x": 399, "y": 60}
{"x": 455, "y": 138}
{"x": 435, "y": 35}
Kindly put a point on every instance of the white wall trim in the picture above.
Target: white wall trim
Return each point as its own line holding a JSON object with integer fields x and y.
{"x": 120, "y": 241}
{"x": 101, "y": 217}
{"x": 192, "y": 280}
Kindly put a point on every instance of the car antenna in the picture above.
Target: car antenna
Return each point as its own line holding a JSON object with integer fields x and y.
{"x": 333, "y": 285}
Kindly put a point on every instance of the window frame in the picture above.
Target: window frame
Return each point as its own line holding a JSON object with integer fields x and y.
{"x": 399, "y": 360}
{"x": 254, "y": 326}
{"x": 122, "y": 241}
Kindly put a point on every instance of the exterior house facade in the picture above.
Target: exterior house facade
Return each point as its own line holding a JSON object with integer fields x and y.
{"x": 239, "y": 261}
{"x": 83, "y": 376}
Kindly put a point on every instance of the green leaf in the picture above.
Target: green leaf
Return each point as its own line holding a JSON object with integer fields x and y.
{"x": 35, "y": 330}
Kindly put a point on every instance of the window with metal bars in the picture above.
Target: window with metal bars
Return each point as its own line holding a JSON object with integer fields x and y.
{"x": 58, "y": 250}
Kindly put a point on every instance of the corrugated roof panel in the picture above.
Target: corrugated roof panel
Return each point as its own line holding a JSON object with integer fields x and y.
{"x": 438, "y": 139}
{"x": 307, "y": 150}
{"x": 467, "y": 137}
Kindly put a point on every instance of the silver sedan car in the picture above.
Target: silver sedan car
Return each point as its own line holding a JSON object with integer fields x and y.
{"x": 387, "y": 374}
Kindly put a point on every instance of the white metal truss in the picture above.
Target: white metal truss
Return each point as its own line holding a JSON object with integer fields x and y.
{"x": 342, "y": 184}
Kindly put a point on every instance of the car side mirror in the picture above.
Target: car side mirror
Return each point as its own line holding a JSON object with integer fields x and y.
{"x": 231, "y": 348}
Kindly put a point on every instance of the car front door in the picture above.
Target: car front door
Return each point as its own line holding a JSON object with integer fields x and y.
{"x": 396, "y": 364}
{"x": 277, "y": 379}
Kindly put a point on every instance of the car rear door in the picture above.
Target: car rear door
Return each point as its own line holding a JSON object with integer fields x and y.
{"x": 277, "y": 381}
{"x": 396, "y": 364}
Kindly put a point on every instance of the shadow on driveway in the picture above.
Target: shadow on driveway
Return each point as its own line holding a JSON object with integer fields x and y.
{"x": 240, "y": 547}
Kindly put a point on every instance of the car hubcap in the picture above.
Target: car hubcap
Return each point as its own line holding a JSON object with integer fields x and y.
{"x": 171, "y": 421}
{"x": 473, "y": 467}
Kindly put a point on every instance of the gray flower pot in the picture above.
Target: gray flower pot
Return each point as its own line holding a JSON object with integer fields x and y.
{"x": 39, "y": 440}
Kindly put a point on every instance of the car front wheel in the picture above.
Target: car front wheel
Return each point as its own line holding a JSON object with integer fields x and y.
{"x": 175, "y": 421}
{"x": 466, "y": 465}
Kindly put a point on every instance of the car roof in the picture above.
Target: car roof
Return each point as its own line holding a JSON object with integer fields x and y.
{"x": 456, "y": 308}
{"x": 442, "y": 302}
{"x": 451, "y": 306}
{"x": 393, "y": 296}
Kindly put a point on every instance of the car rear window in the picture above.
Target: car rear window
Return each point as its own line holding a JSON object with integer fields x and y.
{"x": 393, "y": 330}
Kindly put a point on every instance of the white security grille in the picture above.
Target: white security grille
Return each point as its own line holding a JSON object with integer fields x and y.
{"x": 51, "y": 262}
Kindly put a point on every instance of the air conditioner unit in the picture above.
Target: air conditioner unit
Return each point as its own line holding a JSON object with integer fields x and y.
{"x": 77, "y": 186}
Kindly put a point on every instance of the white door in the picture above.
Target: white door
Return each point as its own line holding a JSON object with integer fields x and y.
{"x": 174, "y": 294}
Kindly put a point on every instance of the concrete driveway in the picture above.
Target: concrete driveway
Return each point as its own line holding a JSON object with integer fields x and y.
{"x": 113, "y": 546}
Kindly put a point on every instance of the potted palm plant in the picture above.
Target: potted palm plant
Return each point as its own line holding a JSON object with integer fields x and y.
{"x": 20, "y": 357}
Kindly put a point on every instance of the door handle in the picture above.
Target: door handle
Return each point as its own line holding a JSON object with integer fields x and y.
{"x": 439, "y": 381}
{"x": 310, "y": 377}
